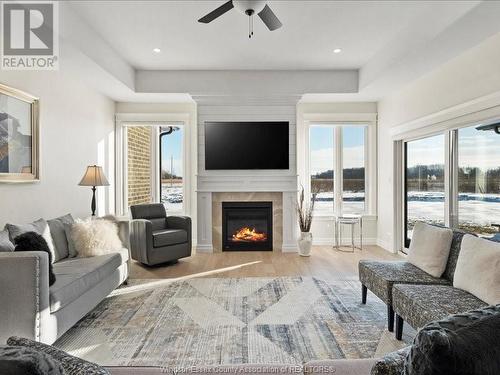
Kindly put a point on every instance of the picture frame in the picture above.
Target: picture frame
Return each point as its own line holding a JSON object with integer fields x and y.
{"x": 19, "y": 136}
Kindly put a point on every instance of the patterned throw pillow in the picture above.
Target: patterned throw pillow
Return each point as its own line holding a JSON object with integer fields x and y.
{"x": 71, "y": 365}
{"x": 462, "y": 344}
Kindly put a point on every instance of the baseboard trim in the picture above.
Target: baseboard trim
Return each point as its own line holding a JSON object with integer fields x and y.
{"x": 204, "y": 248}
{"x": 346, "y": 240}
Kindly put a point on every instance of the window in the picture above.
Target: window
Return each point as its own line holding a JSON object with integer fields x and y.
{"x": 468, "y": 196}
{"x": 335, "y": 148}
{"x": 353, "y": 157}
{"x": 322, "y": 166}
{"x": 171, "y": 168}
{"x": 479, "y": 181}
{"x": 424, "y": 182}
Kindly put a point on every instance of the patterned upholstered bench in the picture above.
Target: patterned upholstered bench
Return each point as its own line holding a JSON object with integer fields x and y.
{"x": 422, "y": 304}
{"x": 380, "y": 276}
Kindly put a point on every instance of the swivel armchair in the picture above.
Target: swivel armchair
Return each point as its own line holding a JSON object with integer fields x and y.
{"x": 156, "y": 238}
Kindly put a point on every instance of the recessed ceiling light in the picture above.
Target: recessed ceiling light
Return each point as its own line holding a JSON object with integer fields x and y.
{"x": 156, "y": 50}
{"x": 337, "y": 50}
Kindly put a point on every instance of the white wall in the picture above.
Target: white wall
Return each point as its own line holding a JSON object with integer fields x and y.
{"x": 77, "y": 129}
{"x": 463, "y": 79}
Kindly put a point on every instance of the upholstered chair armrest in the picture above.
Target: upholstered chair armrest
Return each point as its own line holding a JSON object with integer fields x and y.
{"x": 24, "y": 295}
{"x": 141, "y": 239}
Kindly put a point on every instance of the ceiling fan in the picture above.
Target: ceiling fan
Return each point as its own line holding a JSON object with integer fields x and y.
{"x": 250, "y": 8}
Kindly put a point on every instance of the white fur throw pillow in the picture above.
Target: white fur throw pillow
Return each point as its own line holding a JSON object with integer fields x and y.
{"x": 95, "y": 237}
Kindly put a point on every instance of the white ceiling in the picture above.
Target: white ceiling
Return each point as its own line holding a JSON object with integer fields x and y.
{"x": 310, "y": 32}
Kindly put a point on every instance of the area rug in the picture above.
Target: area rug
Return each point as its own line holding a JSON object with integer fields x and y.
{"x": 208, "y": 321}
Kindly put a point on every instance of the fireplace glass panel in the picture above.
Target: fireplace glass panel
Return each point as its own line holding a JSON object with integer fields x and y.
{"x": 247, "y": 226}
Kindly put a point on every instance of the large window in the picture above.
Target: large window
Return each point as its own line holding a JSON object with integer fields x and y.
{"x": 424, "y": 182}
{"x": 468, "y": 196}
{"x": 171, "y": 168}
{"x": 479, "y": 181}
{"x": 337, "y": 168}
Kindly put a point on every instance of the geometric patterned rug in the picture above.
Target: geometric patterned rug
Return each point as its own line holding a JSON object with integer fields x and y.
{"x": 209, "y": 321}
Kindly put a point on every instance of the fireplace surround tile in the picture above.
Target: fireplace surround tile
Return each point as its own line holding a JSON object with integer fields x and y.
{"x": 219, "y": 197}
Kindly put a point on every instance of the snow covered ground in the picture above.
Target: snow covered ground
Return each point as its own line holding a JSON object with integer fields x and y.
{"x": 172, "y": 197}
{"x": 481, "y": 209}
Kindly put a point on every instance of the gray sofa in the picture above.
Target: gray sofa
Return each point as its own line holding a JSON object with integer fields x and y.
{"x": 30, "y": 308}
{"x": 156, "y": 238}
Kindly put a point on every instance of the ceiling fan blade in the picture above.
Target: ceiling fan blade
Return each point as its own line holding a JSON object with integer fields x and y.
{"x": 226, "y": 7}
{"x": 269, "y": 18}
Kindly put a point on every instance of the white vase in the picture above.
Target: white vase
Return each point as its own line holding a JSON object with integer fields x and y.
{"x": 305, "y": 243}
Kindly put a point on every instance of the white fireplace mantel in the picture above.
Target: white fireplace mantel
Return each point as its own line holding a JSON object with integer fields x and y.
{"x": 285, "y": 184}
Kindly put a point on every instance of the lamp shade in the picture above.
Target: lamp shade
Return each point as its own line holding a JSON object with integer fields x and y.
{"x": 94, "y": 176}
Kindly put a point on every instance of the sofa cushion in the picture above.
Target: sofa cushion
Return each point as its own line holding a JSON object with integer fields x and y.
{"x": 169, "y": 237}
{"x": 39, "y": 226}
{"x": 76, "y": 276}
{"x": 478, "y": 269}
{"x": 421, "y": 304}
{"x": 430, "y": 247}
{"x": 59, "y": 235}
{"x": 380, "y": 276}
{"x": 5, "y": 242}
{"x": 463, "y": 344}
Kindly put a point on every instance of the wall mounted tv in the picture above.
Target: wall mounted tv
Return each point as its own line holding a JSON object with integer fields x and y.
{"x": 246, "y": 145}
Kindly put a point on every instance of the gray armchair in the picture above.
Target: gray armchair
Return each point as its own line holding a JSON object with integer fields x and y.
{"x": 157, "y": 238}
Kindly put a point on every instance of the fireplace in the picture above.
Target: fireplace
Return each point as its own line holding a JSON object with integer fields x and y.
{"x": 247, "y": 226}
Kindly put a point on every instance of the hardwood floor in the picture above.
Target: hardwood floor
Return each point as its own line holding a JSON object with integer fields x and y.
{"x": 325, "y": 263}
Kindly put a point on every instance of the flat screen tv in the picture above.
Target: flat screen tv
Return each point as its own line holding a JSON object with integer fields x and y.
{"x": 246, "y": 145}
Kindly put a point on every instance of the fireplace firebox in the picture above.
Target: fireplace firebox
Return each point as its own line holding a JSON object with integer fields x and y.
{"x": 247, "y": 226}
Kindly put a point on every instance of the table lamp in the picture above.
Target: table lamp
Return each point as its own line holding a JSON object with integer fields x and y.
{"x": 94, "y": 176}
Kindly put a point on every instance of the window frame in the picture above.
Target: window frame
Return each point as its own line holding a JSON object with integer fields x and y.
{"x": 122, "y": 121}
{"x": 369, "y": 163}
{"x": 451, "y": 168}
{"x": 406, "y": 240}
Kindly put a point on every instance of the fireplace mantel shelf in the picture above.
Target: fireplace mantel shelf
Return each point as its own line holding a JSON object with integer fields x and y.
{"x": 247, "y": 183}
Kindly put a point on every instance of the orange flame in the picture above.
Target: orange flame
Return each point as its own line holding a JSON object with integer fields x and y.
{"x": 246, "y": 234}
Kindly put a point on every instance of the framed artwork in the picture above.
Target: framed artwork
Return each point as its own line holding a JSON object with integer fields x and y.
{"x": 19, "y": 136}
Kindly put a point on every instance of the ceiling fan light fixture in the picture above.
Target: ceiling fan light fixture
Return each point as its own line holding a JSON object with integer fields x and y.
{"x": 244, "y": 5}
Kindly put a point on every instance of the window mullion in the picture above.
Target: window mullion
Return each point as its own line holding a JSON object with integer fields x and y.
{"x": 338, "y": 181}
{"x": 452, "y": 179}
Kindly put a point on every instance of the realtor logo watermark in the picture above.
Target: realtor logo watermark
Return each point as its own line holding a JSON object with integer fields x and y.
{"x": 30, "y": 35}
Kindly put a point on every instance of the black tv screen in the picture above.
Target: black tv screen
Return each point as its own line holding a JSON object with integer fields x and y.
{"x": 246, "y": 145}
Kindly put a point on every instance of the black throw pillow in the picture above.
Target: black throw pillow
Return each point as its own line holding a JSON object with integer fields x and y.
{"x": 462, "y": 344}
{"x": 32, "y": 241}
{"x": 15, "y": 360}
